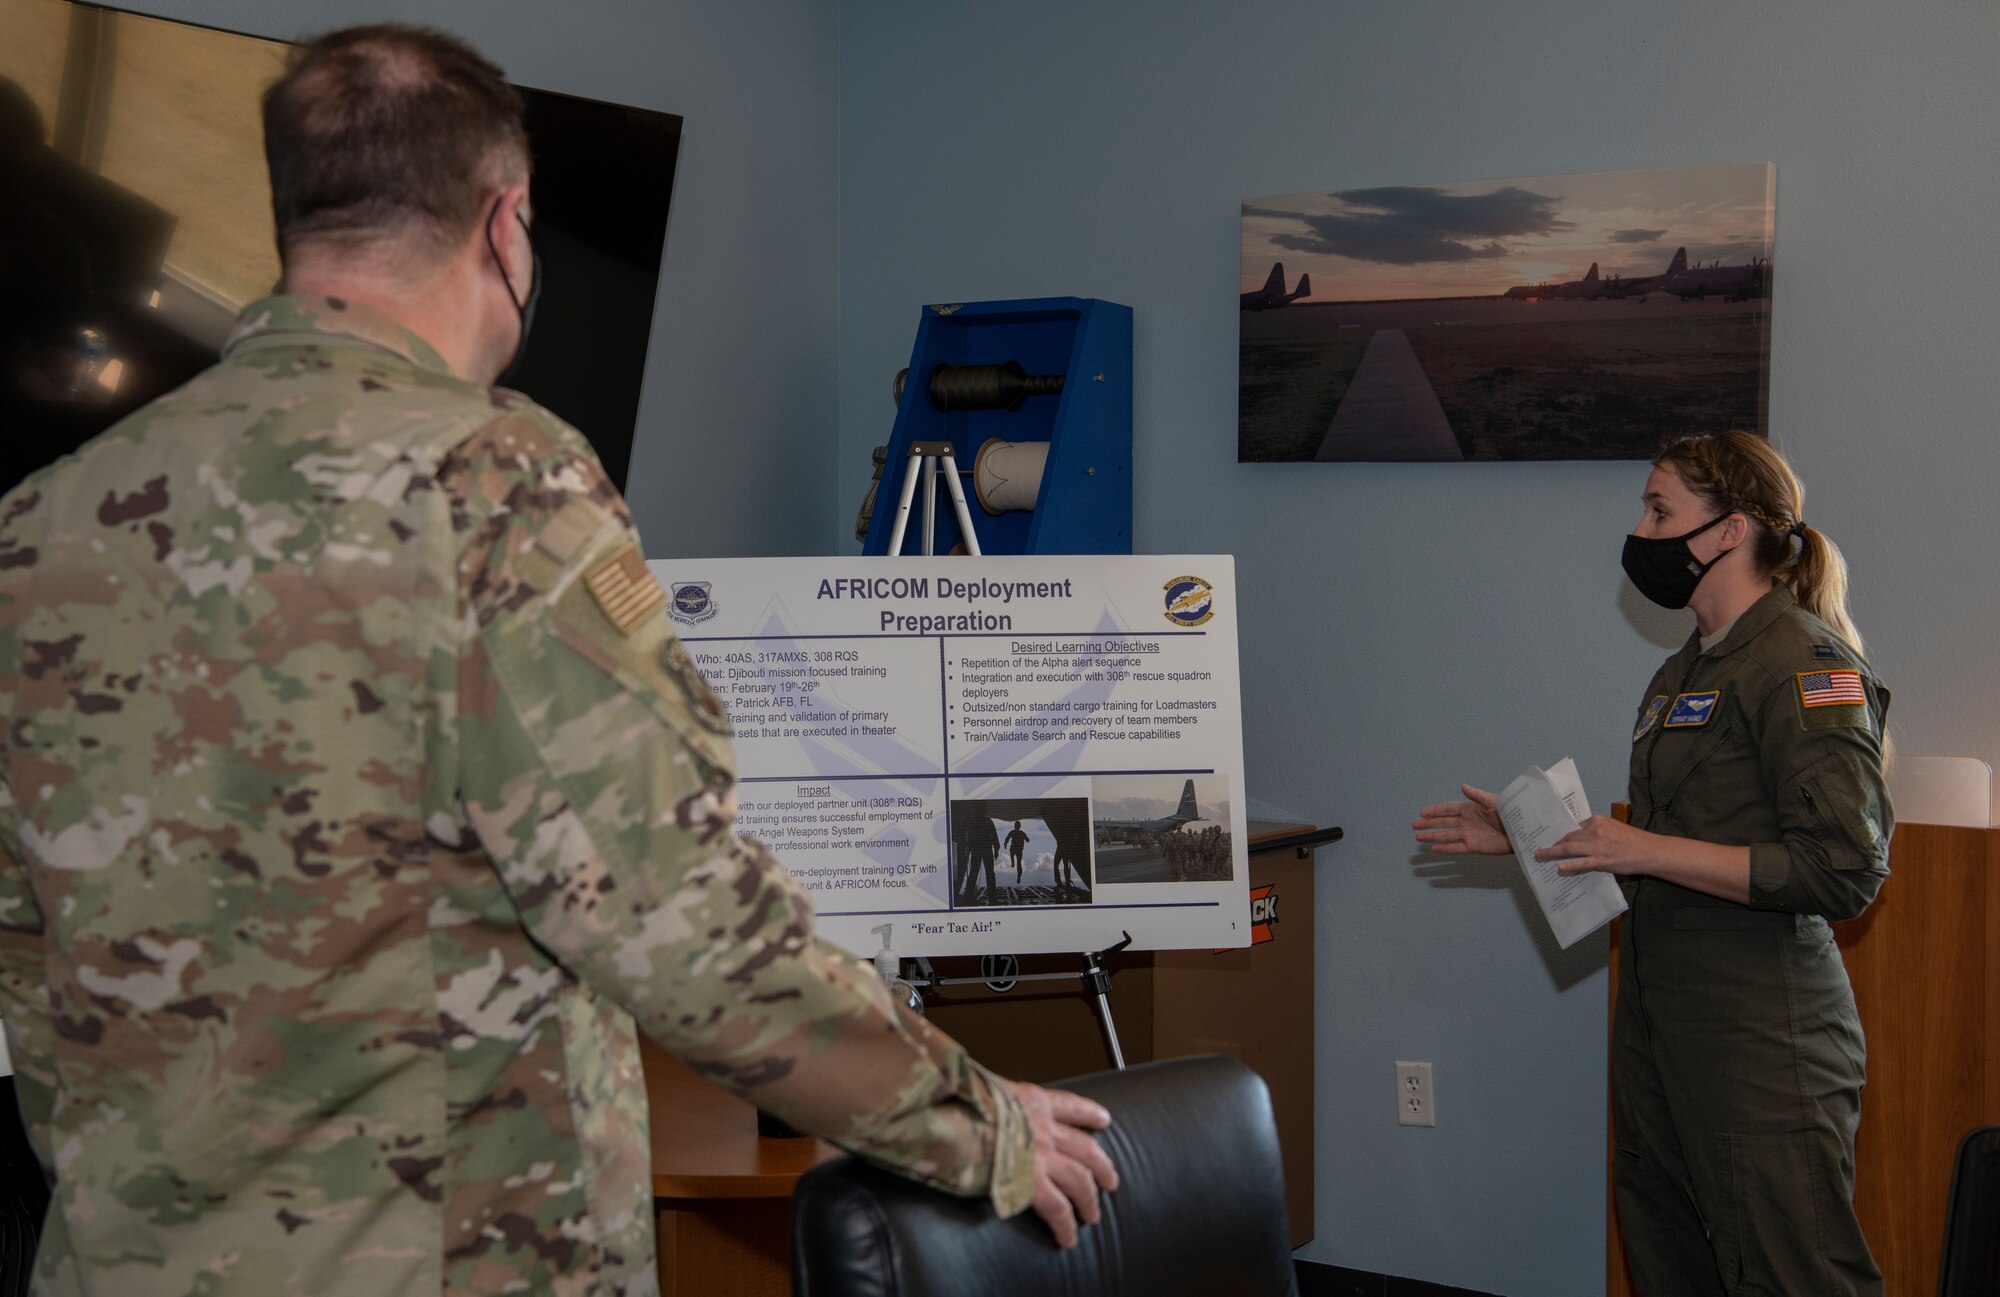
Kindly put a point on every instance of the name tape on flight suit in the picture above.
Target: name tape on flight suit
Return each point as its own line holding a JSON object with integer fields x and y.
{"x": 1691, "y": 710}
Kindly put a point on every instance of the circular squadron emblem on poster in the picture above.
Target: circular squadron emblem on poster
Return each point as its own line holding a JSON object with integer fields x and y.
{"x": 692, "y": 602}
{"x": 1190, "y": 601}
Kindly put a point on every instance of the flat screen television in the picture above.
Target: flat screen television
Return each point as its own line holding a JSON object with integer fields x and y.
{"x": 135, "y": 222}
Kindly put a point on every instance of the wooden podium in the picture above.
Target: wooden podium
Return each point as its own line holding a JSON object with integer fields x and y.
{"x": 1925, "y": 963}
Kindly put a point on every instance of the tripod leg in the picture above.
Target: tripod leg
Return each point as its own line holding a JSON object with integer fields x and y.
{"x": 1097, "y": 979}
{"x": 903, "y": 507}
{"x": 958, "y": 504}
{"x": 1110, "y": 1030}
{"x": 930, "y": 506}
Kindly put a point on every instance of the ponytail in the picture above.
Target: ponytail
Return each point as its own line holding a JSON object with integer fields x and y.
{"x": 1817, "y": 578}
{"x": 1740, "y": 472}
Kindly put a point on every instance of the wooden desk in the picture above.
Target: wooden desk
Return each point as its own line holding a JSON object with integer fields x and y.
{"x": 722, "y": 1194}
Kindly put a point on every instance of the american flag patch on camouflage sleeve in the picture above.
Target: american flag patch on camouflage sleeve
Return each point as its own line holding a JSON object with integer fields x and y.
{"x": 624, "y": 589}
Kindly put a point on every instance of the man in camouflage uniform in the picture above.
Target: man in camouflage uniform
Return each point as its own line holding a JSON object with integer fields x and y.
{"x": 355, "y": 798}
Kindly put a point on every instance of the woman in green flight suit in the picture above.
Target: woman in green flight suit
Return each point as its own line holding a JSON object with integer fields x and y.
{"x": 1759, "y": 813}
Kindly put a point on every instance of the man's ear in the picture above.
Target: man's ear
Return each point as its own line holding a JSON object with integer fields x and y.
{"x": 501, "y": 218}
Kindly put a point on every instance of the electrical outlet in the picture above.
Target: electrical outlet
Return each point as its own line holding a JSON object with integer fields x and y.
{"x": 1416, "y": 1102}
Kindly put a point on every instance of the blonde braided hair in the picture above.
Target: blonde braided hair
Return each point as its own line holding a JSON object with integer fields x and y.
{"x": 1740, "y": 472}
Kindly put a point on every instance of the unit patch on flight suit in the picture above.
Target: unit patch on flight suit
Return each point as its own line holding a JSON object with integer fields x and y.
{"x": 1692, "y": 710}
{"x": 1651, "y": 716}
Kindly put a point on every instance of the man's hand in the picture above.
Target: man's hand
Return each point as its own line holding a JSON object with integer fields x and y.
{"x": 1070, "y": 1168}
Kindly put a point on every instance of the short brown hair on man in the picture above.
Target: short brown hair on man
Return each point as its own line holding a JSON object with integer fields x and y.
{"x": 388, "y": 131}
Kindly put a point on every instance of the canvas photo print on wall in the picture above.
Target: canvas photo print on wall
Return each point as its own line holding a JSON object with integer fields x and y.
{"x": 1556, "y": 317}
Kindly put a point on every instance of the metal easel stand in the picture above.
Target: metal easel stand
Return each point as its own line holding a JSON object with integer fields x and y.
{"x": 938, "y": 460}
{"x": 933, "y": 454}
{"x": 1095, "y": 976}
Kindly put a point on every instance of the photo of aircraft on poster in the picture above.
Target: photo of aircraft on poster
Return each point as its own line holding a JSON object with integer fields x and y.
{"x": 1190, "y": 843}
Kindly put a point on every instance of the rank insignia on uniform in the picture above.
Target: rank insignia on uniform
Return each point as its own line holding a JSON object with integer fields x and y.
{"x": 1825, "y": 653}
{"x": 624, "y": 589}
{"x": 1692, "y": 710}
{"x": 1651, "y": 716}
{"x": 1831, "y": 689}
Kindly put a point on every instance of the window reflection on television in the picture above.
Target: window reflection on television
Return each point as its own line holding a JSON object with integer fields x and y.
{"x": 135, "y": 224}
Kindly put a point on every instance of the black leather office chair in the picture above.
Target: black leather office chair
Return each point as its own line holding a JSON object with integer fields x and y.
{"x": 1971, "y": 1265}
{"x": 1200, "y": 1209}
{"x": 24, "y": 1198}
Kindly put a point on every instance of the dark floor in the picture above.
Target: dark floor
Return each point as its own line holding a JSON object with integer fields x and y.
{"x": 1316, "y": 1280}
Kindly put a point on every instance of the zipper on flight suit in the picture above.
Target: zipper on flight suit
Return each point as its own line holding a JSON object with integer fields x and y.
{"x": 1629, "y": 932}
{"x": 1653, "y": 740}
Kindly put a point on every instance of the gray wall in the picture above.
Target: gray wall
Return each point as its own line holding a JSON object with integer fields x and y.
{"x": 1403, "y": 626}
{"x": 736, "y": 436}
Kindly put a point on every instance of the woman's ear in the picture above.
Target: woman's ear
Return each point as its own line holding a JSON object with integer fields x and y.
{"x": 1736, "y": 530}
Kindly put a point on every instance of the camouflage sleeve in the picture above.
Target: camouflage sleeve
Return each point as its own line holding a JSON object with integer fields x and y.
{"x": 596, "y": 770}
{"x": 1822, "y": 763}
{"x": 24, "y": 1001}
{"x": 24, "y": 996}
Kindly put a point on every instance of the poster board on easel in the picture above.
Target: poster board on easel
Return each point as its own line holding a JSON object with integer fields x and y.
{"x": 1002, "y": 755}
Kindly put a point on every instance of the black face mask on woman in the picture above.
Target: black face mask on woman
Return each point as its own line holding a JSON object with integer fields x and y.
{"x": 1664, "y": 568}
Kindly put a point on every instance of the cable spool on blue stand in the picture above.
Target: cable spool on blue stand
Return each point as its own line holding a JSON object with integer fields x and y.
{"x": 1055, "y": 370}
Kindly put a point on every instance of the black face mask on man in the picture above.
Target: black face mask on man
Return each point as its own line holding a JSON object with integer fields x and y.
{"x": 525, "y": 309}
{"x": 1664, "y": 568}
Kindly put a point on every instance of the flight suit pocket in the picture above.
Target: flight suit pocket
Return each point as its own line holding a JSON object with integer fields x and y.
{"x": 1846, "y": 805}
{"x": 1812, "y": 931}
{"x": 1777, "y": 1233}
{"x": 1678, "y": 754}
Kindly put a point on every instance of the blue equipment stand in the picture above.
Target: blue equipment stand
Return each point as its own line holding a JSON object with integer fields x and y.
{"x": 1085, "y": 501}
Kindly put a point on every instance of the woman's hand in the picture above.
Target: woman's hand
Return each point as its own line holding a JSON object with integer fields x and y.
{"x": 1606, "y": 845}
{"x": 1470, "y": 827}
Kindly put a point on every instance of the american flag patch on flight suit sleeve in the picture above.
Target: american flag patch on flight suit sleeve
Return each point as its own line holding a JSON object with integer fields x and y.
{"x": 624, "y": 589}
{"x": 1831, "y": 689}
